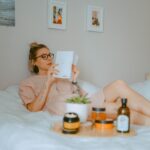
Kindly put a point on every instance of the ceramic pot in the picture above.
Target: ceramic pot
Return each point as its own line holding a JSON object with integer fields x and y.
{"x": 81, "y": 109}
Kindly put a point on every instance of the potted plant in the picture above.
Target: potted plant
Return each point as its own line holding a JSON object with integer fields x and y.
{"x": 79, "y": 105}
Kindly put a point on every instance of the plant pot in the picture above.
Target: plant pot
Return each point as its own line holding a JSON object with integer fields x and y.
{"x": 81, "y": 109}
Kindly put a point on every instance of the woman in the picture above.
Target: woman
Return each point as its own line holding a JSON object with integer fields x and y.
{"x": 43, "y": 91}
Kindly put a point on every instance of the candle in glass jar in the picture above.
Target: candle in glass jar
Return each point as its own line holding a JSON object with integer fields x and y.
{"x": 104, "y": 124}
{"x": 71, "y": 123}
{"x": 98, "y": 113}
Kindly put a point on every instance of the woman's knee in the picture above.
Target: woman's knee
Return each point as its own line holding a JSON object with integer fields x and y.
{"x": 119, "y": 84}
{"x": 115, "y": 89}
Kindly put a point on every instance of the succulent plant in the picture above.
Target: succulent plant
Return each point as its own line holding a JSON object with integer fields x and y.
{"x": 78, "y": 100}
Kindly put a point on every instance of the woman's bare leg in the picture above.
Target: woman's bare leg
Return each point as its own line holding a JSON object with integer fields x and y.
{"x": 138, "y": 118}
{"x": 135, "y": 117}
{"x": 135, "y": 101}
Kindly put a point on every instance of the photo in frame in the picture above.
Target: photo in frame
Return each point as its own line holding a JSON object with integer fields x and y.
{"x": 7, "y": 13}
{"x": 95, "y": 18}
{"x": 57, "y": 14}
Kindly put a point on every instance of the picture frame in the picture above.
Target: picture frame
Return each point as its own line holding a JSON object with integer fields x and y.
{"x": 7, "y": 13}
{"x": 57, "y": 14}
{"x": 95, "y": 18}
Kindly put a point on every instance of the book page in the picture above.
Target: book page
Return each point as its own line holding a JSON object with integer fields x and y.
{"x": 64, "y": 59}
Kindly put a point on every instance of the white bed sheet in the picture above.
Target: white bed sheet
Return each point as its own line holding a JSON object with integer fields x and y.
{"x": 24, "y": 130}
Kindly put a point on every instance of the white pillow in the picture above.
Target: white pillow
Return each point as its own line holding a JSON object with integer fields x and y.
{"x": 13, "y": 90}
{"x": 143, "y": 88}
{"x": 88, "y": 87}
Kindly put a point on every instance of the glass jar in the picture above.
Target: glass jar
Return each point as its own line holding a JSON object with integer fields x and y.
{"x": 71, "y": 123}
{"x": 98, "y": 113}
{"x": 104, "y": 124}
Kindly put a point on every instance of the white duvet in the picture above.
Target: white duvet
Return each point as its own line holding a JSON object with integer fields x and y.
{"x": 23, "y": 130}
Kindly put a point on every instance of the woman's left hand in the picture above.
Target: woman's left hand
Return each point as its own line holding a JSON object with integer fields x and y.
{"x": 75, "y": 73}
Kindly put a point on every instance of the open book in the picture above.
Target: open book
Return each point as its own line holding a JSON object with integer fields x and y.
{"x": 65, "y": 59}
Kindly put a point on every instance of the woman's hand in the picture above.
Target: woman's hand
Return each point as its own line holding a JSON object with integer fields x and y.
{"x": 75, "y": 73}
{"x": 51, "y": 72}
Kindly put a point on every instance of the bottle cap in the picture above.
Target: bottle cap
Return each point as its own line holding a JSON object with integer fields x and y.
{"x": 124, "y": 100}
{"x": 107, "y": 121}
{"x": 99, "y": 109}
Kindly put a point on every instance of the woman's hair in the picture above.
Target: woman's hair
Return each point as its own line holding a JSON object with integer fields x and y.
{"x": 34, "y": 47}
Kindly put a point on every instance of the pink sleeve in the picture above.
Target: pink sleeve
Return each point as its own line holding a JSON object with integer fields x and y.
{"x": 26, "y": 92}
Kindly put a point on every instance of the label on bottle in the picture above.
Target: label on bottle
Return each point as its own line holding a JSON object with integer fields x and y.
{"x": 123, "y": 123}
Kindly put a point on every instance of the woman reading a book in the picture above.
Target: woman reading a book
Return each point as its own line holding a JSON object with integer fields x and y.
{"x": 42, "y": 91}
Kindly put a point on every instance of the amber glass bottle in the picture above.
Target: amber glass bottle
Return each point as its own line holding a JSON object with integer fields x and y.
{"x": 123, "y": 118}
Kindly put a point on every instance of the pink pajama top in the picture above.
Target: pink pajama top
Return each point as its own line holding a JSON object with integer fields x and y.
{"x": 30, "y": 88}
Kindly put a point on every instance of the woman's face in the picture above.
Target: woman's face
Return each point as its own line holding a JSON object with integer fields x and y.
{"x": 44, "y": 60}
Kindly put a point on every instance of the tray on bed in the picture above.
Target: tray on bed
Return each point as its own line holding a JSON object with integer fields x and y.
{"x": 86, "y": 130}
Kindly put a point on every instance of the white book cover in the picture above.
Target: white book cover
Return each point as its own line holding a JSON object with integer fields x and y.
{"x": 64, "y": 59}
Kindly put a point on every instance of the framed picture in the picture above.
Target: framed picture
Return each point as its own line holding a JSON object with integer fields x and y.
{"x": 7, "y": 13}
{"x": 95, "y": 18}
{"x": 57, "y": 14}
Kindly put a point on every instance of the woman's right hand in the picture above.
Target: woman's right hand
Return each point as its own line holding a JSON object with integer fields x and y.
{"x": 50, "y": 75}
{"x": 52, "y": 71}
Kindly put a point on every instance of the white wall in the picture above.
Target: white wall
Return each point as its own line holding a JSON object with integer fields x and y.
{"x": 121, "y": 52}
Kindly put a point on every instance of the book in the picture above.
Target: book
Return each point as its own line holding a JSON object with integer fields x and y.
{"x": 64, "y": 59}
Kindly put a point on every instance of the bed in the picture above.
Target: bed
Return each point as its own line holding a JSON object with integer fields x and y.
{"x": 24, "y": 130}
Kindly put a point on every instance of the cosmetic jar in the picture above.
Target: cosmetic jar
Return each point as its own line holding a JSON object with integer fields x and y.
{"x": 71, "y": 123}
{"x": 98, "y": 113}
{"x": 104, "y": 124}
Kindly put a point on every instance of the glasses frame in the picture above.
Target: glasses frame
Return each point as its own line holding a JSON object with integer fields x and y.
{"x": 51, "y": 55}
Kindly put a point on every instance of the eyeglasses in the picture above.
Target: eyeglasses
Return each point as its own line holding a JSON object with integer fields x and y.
{"x": 45, "y": 56}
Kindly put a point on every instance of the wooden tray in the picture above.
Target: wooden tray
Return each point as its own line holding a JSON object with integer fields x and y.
{"x": 86, "y": 130}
